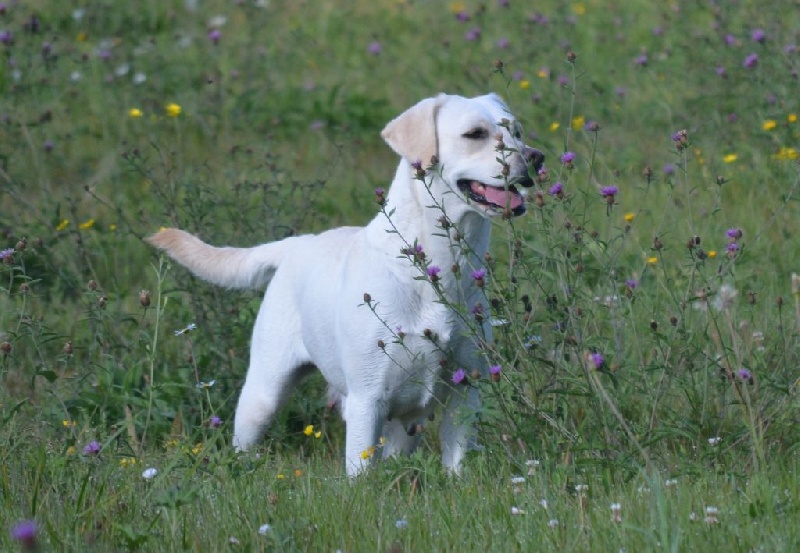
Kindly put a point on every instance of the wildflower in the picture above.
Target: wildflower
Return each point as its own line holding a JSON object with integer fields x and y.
{"x": 711, "y": 515}
{"x": 721, "y": 71}
{"x": 631, "y": 284}
{"x": 215, "y": 422}
{"x": 524, "y": 84}
{"x": 786, "y": 153}
{"x": 616, "y": 511}
{"x": 641, "y": 60}
{"x": 552, "y": 523}
{"x": 68, "y": 424}
{"x": 134, "y": 113}
{"x": 517, "y": 480}
{"x": 791, "y": 118}
{"x": 517, "y": 511}
{"x": 732, "y": 249}
{"x": 495, "y": 371}
{"x": 567, "y": 158}
{"x": 750, "y": 61}
{"x": 25, "y": 533}
{"x": 724, "y": 298}
{"x": 7, "y": 254}
{"x": 578, "y": 122}
{"x": 554, "y": 126}
{"x": 503, "y": 43}
{"x": 71, "y": 450}
{"x": 744, "y": 374}
{"x": 479, "y": 274}
{"x": 86, "y": 225}
{"x": 670, "y": 483}
{"x": 543, "y": 73}
{"x": 758, "y": 35}
{"x": 609, "y": 193}
{"x": 139, "y": 78}
{"x": 401, "y": 523}
{"x": 472, "y": 34}
{"x": 652, "y": 260}
{"x": 460, "y": 377}
{"x": 206, "y": 385}
{"x": 557, "y": 190}
{"x": 669, "y": 170}
{"x": 597, "y": 359}
{"x": 591, "y": 126}
{"x": 367, "y": 453}
{"x": 6, "y": 37}
{"x": 730, "y": 158}
{"x": 173, "y": 109}
{"x": 92, "y": 448}
{"x": 733, "y": 233}
{"x": 127, "y": 461}
{"x": 580, "y": 488}
{"x": 714, "y": 441}
{"x": 264, "y": 529}
{"x": 620, "y": 92}
{"x": 769, "y": 124}
{"x": 298, "y": 473}
{"x": 214, "y": 35}
{"x": 309, "y": 430}
{"x": 433, "y": 272}
{"x": 629, "y": 217}
{"x": 730, "y": 40}
{"x": 48, "y": 146}
{"x": 187, "y": 328}
{"x": 375, "y": 48}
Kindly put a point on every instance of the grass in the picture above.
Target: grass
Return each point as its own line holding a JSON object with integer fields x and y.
{"x": 274, "y": 130}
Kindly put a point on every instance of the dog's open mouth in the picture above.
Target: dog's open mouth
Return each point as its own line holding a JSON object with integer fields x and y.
{"x": 495, "y": 197}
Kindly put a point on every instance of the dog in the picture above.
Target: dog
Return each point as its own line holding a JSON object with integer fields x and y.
{"x": 370, "y": 307}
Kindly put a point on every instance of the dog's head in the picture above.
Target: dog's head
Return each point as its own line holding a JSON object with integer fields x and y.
{"x": 470, "y": 138}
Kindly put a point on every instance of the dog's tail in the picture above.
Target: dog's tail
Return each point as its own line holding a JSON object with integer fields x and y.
{"x": 228, "y": 267}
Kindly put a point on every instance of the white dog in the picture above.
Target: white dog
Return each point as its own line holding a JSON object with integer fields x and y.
{"x": 365, "y": 305}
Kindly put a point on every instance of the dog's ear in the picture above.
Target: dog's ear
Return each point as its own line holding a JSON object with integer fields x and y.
{"x": 413, "y": 133}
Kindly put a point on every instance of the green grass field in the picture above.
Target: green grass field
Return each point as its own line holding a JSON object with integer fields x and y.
{"x": 649, "y": 342}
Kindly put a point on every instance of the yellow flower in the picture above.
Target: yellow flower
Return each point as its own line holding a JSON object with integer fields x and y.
{"x": 68, "y": 424}
{"x": 786, "y": 153}
{"x": 629, "y": 217}
{"x": 524, "y": 84}
{"x": 578, "y": 9}
{"x": 457, "y": 7}
{"x": 86, "y": 224}
{"x": 318, "y": 435}
{"x": 578, "y": 122}
{"x": 197, "y": 449}
{"x": 112, "y": 227}
{"x": 298, "y": 473}
{"x": 554, "y": 126}
{"x": 71, "y": 450}
{"x": 309, "y": 430}
{"x": 769, "y": 124}
{"x": 81, "y": 37}
{"x": 712, "y": 254}
{"x": 127, "y": 462}
{"x": 173, "y": 109}
{"x": 62, "y": 225}
{"x": 792, "y": 118}
{"x": 171, "y": 443}
{"x": 280, "y": 477}
{"x": 543, "y": 74}
{"x": 652, "y": 260}
{"x": 134, "y": 113}
{"x": 730, "y": 158}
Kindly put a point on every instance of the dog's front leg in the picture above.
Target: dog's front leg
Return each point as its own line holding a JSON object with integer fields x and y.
{"x": 364, "y": 420}
{"x": 457, "y": 428}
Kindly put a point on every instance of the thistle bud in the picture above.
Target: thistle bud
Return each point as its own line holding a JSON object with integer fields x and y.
{"x": 144, "y": 298}
{"x": 5, "y": 348}
{"x": 92, "y": 285}
{"x": 67, "y": 349}
{"x": 367, "y": 298}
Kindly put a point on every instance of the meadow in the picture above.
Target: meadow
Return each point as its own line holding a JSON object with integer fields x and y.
{"x": 646, "y": 310}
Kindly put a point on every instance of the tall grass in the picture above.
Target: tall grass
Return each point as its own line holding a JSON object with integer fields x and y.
{"x": 647, "y": 336}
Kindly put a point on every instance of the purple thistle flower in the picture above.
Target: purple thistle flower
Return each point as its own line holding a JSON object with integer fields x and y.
{"x": 658, "y": 31}
{"x": 734, "y": 233}
{"x": 790, "y": 49}
{"x": 721, "y": 71}
{"x": 6, "y": 37}
{"x": 214, "y": 35}
{"x": 462, "y": 16}
{"x": 597, "y": 359}
{"x": 48, "y": 146}
{"x": 669, "y": 169}
{"x": 750, "y": 61}
{"x": 215, "y": 422}
{"x": 92, "y": 448}
{"x": 473, "y": 34}
{"x": 495, "y": 369}
{"x": 620, "y": 91}
{"x": 557, "y": 189}
{"x": 744, "y": 374}
{"x": 433, "y": 272}
{"x": 732, "y": 118}
{"x": 375, "y": 48}
{"x": 641, "y": 60}
{"x": 758, "y": 35}
{"x": 730, "y": 40}
{"x": 460, "y": 376}
{"x": 518, "y": 75}
{"x": 562, "y": 80}
{"x": 6, "y": 254}
{"x": 609, "y": 191}
{"x": 25, "y": 532}
{"x": 3, "y": 8}
{"x": 379, "y": 191}
{"x": 503, "y": 43}
{"x": 632, "y": 283}
{"x": 732, "y": 248}
{"x": 567, "y": 157}
{"x": 478, "y": 274}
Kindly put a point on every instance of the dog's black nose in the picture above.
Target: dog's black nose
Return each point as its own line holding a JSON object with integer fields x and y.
{"x": 534, "y": 157}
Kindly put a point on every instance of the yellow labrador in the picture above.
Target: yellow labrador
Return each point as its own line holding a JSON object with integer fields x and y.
{"x": 383, "y": 353}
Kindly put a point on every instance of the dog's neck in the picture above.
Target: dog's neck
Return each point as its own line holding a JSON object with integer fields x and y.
{"x": 411, "y": 214}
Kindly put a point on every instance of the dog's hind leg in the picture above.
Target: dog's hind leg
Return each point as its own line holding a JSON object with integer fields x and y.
{"x": 401, "y": 439}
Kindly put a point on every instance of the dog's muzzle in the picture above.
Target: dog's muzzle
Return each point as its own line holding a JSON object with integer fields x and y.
{"x": 495, "y": 197}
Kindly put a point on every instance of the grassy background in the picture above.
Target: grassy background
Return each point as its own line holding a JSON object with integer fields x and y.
{"x": 274, "y": 130}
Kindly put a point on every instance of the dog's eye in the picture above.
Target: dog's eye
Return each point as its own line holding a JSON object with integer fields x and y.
{"x": 476, "y": 134}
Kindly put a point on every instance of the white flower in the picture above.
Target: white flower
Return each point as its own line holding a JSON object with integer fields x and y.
{"x": 517, "y": 511}
{"x": 139, "y": 78}
{"x": 498, "y": 322}
{"x": 233, "y": 541}
{"x": 693, "y": 516}
{"x": 401, "y": 523}
{"x": 616, "y": 511}
{"x": 122, "y": 70}
{"x": 711, "y": 515}
{"x": 187, "y": 328}
{"x": 581, "y": 487}
{"x": 724, "y": 298}
{"x": 78, "y": 14}
{"x": 264, "y": 528}
{"x": 553, "y": 523}
{"x": 670, "y": 482}
{"x": 715, "y": 440}
{"x": 150, "y": 473}
{"x": 217, "y": 21}
{"x": 543, "y": 503}
{"x": 75, "y": 76}
{"x": 518, "y": 480}
{"x": 208, "y": 384}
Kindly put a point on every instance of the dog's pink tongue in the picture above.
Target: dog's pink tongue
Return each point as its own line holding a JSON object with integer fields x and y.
{"x": 502, "y": 197}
